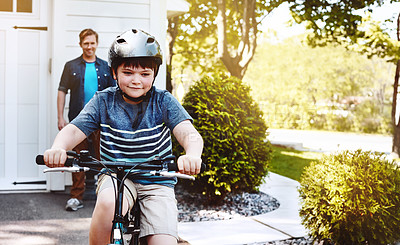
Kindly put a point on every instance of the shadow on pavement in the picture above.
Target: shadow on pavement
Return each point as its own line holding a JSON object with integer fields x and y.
{"x": 40, "y": 218}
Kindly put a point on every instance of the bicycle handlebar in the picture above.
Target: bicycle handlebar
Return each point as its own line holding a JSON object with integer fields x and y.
{"x": 156, "y": 164}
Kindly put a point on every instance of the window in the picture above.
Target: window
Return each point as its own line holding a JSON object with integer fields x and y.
{"x": 16, "y": 6}
{"x": 24, "y": 6}
{"x": 6, "y": 5}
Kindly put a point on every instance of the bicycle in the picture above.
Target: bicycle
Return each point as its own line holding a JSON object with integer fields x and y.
{"x": 126, "y": 228}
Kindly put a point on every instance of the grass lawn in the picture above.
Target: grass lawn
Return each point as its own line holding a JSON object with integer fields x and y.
{"x": 290, "y": 163}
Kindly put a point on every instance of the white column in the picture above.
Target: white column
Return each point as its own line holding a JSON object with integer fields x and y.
{"x": 158, "y": 14}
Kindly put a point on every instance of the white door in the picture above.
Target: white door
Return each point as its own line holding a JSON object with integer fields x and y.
{"x": 24, "y": 79}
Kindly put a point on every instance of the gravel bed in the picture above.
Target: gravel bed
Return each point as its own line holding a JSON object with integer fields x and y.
{"x": 191, "y": 206}
{"x": 294, "y": 241}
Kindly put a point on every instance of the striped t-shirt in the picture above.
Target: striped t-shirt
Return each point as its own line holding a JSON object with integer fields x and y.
{"x": 133, "y": 133}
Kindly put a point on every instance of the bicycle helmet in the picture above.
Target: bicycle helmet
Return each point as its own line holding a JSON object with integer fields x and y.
{"x": 134, "y": 43}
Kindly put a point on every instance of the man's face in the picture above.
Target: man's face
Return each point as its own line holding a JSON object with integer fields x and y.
{"x": 134, "y": 81}
{"x": 89, "y": 46}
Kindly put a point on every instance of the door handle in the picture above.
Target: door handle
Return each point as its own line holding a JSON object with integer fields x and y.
{"x": 38, "y": 28}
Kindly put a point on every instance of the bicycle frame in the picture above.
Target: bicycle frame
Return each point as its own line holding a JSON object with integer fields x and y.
{"x": 117, "y": 229}
{"x": 119, "y": 221}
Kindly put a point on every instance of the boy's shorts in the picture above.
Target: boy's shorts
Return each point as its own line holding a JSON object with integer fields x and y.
{"x": 159, "y": 212}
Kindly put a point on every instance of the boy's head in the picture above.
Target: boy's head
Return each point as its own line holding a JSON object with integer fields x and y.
{"x": 130, "y": 51}
{"x": 135, "y": 48}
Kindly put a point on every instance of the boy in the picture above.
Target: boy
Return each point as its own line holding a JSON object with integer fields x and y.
{"x": 135, "y": 121}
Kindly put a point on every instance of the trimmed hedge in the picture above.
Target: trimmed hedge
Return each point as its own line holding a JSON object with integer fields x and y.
{"x": 352, "y": 198}
{"x": 235, "y": 148}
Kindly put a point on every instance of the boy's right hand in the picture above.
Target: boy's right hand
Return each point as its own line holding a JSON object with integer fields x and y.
{"x": 190, "y": 165}
{"x": 55, "y": 157}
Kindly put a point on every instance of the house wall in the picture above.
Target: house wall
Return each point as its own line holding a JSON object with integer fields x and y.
{"x": 32, "y": 58}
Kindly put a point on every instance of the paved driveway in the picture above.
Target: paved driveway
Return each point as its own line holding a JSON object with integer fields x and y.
{"x": 40, "y": 218}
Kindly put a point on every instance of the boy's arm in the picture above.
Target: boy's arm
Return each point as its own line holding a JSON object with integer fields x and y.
{"x": 192, "y": 142}
{"x": 66, "y": 139}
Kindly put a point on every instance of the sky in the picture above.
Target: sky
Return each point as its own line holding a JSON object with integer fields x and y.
{"x": 278, "y": 19}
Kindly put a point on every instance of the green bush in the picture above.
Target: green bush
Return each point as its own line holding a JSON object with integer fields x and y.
{"x": 352, "y": 198}
{"x": 235, "y": 148}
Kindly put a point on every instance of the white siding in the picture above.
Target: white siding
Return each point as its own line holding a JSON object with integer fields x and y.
{"x": 107, "y": 18}
{"x": 2, "y": 101}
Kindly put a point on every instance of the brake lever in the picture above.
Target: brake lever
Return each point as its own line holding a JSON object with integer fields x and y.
{"x": 67, "y": 169}
{"x": 172, "y": 174}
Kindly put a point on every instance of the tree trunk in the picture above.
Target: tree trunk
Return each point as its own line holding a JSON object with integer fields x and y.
{"x": 237, "y": 63}
{"x": 396, "y": 123}
{"x": 172, "y": 33}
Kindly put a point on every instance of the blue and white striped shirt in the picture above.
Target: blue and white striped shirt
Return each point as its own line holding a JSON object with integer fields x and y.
{"x": 133, "y": 133}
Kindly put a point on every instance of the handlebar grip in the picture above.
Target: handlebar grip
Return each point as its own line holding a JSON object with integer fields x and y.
{"x": 40, "y": 161}
{"x": 173, "y": 166}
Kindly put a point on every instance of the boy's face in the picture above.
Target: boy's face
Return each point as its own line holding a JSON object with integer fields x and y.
{"x": 134, "y": 81}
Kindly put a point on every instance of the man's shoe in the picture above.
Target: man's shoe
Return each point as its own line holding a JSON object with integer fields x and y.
{"x": 73, "y": 204}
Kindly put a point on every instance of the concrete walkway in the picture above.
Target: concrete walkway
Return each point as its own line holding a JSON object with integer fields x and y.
{"x": 279, "y": 224}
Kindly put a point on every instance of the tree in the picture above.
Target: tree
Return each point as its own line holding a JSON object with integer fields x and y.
{"x": 219, "y": 35}
{"x": 341, "y": 22}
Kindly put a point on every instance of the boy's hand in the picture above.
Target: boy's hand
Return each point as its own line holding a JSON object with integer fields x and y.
{"x": 55, "y": 157}
{"x": 189, "y": 164}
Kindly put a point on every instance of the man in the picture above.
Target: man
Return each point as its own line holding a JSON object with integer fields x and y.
{"x": 83, "y": 76}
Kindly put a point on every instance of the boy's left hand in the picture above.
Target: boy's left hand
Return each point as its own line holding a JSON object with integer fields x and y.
{"x": 188, "y": 164}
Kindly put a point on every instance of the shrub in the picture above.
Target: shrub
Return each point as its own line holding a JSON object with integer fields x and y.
{"x": 352, "y": 198}
{"x": 370, "y": 116}
{"x": 234, "y": 132}
{"x": 342, "y": 122}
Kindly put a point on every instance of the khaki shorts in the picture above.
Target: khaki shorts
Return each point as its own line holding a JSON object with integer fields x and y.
{"x": 159, "y": 212}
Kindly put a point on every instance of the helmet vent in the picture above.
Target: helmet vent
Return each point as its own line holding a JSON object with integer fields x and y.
{"x": 134, "y": 31}
{"x": 150, "y": 40}
{"x": 121, "y": 40}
